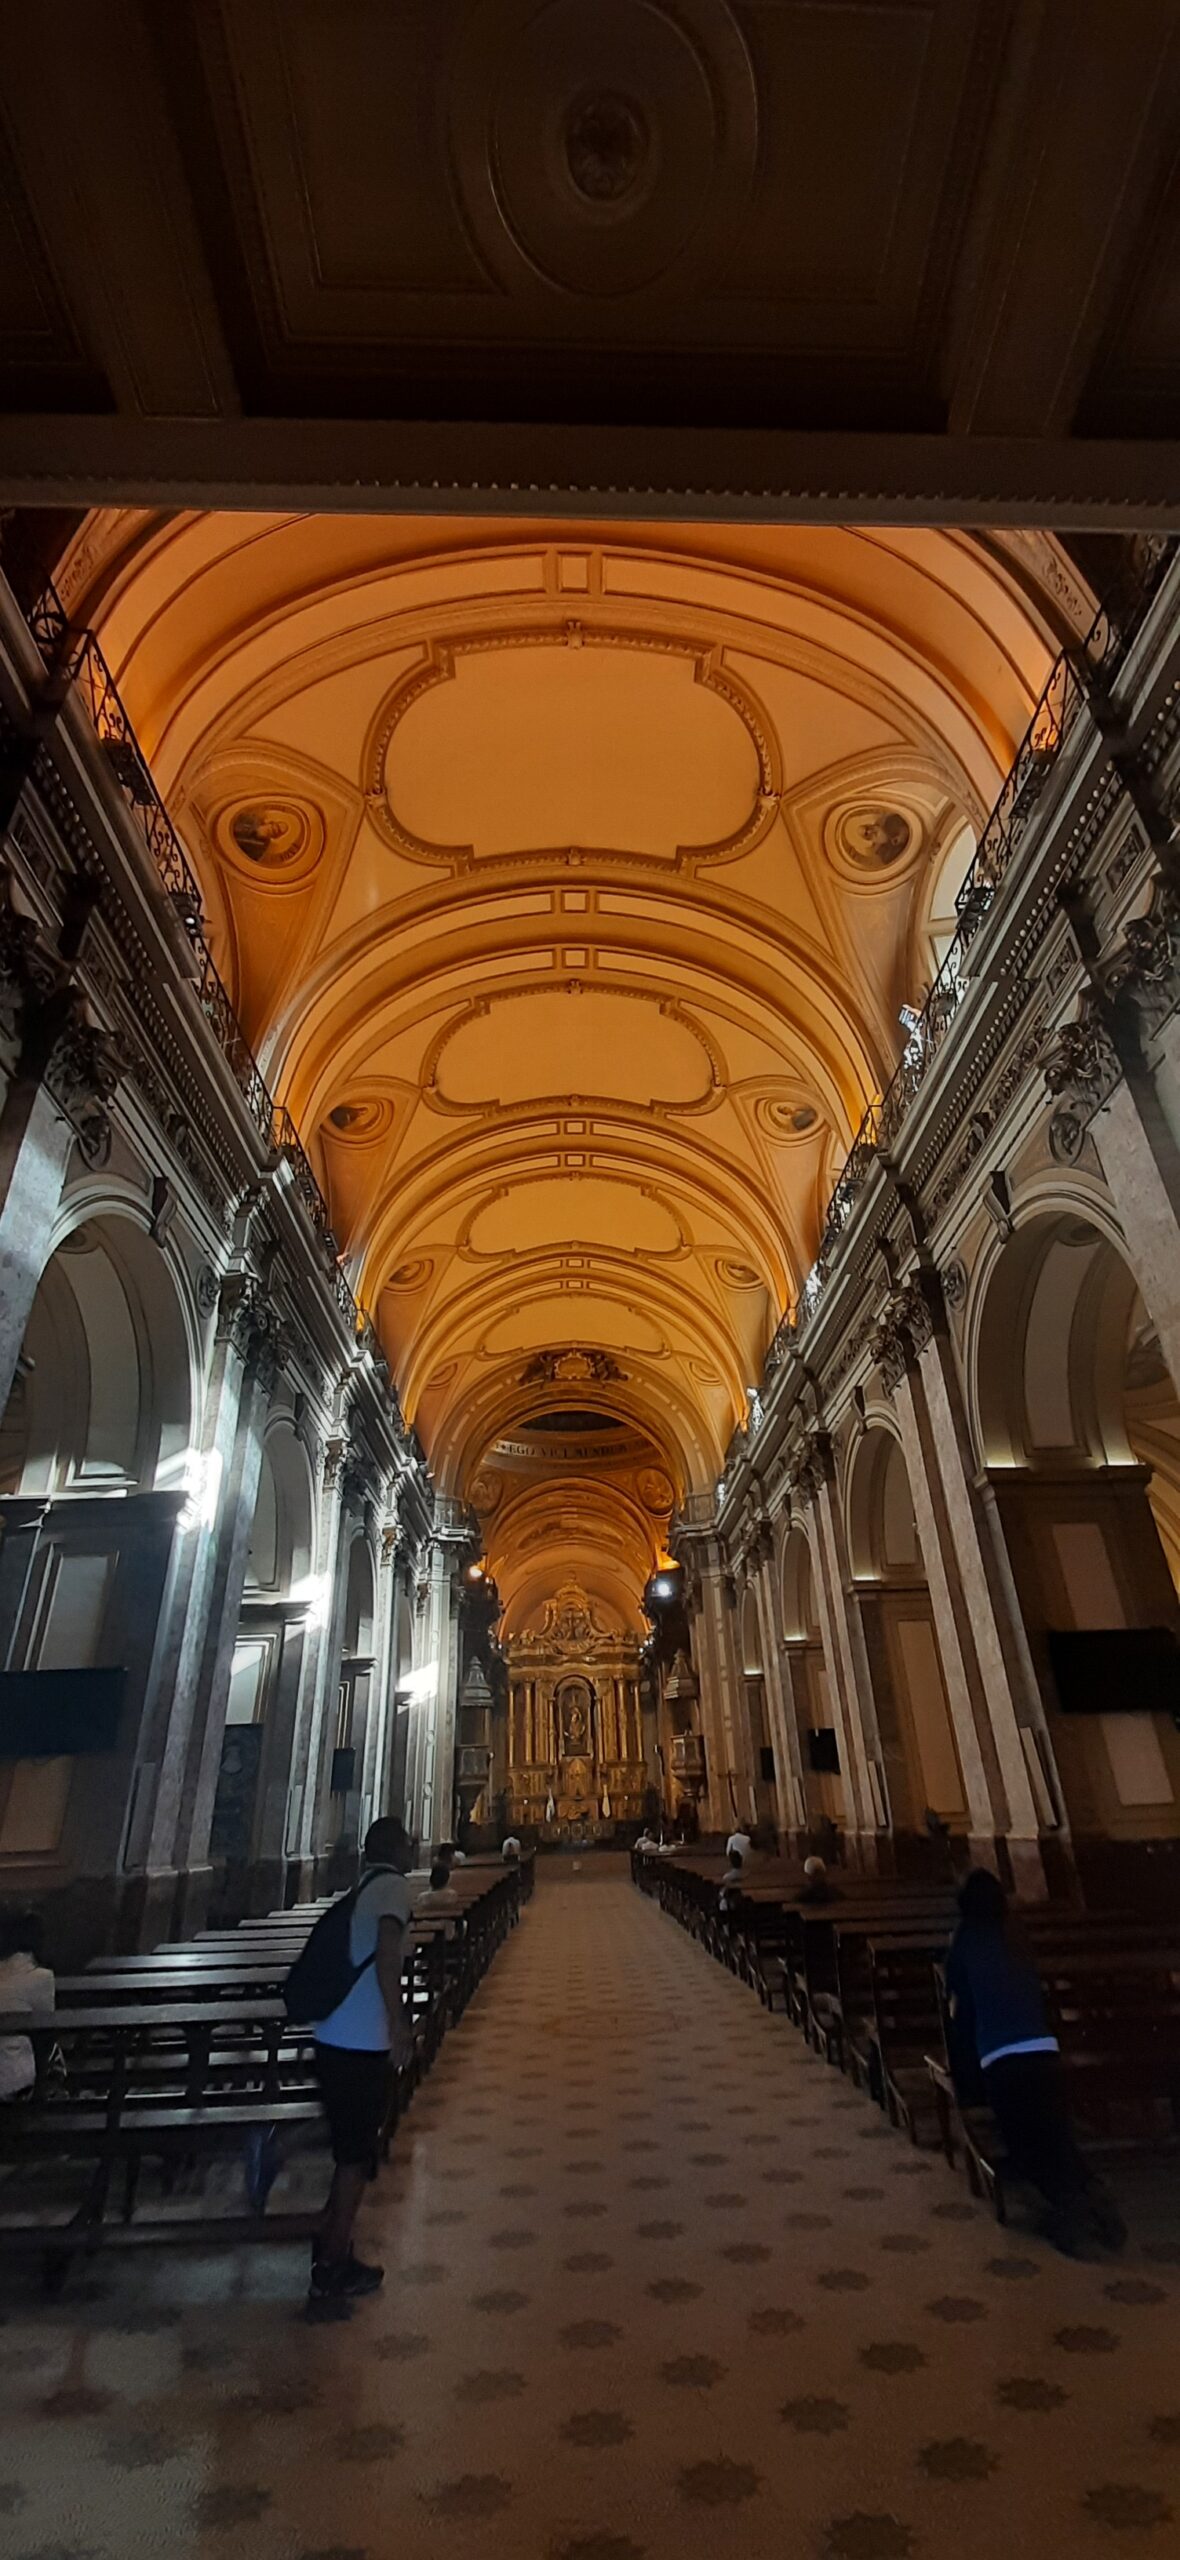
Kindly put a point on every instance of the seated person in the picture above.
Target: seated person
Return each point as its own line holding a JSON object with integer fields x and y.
{"x": 739, "y": 1843}
{"x": 510, "y": 1850}
{"x": 817, "y": 1884}
{"x": 440, "y": 1894}
{"x": 1000, "y": 2043}
{"x": 453, "y": 1854}
{"x": 730, "y": 1887}
{"x": 26, "y": 1986}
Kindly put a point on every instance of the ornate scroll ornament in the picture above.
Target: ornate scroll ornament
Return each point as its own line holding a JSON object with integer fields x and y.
{"x": 208, "y": 1289}
{"x": 82, "y": 1073}
{"x": 1146, "y": 971}
{"x": 1081, "y": 1071}
{"x": 903, "y": 1332}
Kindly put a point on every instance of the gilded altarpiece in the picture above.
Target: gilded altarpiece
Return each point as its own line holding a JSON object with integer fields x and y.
{"x": 576, "y": 1764}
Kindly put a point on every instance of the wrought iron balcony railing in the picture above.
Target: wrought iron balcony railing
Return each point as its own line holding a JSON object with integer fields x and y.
{"x": 1078, "y": 678}
{"x": 73, "y": 656}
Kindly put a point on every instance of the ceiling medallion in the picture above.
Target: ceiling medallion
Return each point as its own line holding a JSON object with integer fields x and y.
{"x": 410, "y": 1275}
{"x": 737, "y": 1275}
{"x": 656, "y": 1490}
{"x": 607, "y": 145}
{"x": 269, "y": 839}
{"x": 875, "y": 841}
{"x": 787, "y": 1116}
{"x": 358, "y": 1123}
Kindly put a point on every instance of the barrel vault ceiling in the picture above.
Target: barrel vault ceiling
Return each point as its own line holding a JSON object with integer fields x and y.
{"x": 568, "y": 883}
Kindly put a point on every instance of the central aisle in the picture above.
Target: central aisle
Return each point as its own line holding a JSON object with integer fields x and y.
{"x": 657, "y": 2280}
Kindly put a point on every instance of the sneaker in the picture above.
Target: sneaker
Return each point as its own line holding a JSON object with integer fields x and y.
{"x": 345, "y": 2279}
{"x": 359, "y": 2278}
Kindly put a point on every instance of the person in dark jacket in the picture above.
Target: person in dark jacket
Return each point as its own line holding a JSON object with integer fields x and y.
{"x": 1002, "y": 2048}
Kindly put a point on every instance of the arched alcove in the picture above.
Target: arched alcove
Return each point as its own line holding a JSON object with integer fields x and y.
{"x": 921, "y": 1759}
{"x": 1079, "y": 1425}
{"x": 99, "y": 1426}
{"x": 283, "y": 1528}
{"x": 103, "y": 1397}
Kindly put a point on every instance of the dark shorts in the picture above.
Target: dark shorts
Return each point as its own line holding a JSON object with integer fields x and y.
{"x": 355, "y": 2091}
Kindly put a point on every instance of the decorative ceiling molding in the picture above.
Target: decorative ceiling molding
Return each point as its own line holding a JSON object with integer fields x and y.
{"x": 440, "y": 667}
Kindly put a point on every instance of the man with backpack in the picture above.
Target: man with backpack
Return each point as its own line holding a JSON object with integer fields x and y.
{"x": 347, "y": 1984}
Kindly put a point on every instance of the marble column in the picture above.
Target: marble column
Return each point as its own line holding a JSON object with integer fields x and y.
{"x": 430, "y": 1767}
{"x": 35, "y": 1147}
{"x": 849, "y": 1683}
{"x": 222, "y": 1621}
{"x": 179, "y": 1693}
{"x": 780, "y": 1710}
{"x": 312, "y": 1761}
{"x": 989, "y": 1691}
{"x": 1141, "y": 1166}
{"x": 727, "y": 1768}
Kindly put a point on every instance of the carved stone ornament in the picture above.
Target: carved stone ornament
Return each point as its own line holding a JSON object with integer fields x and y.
{"x": 1146, "y": 970}
{"x": 1081, "y": 1071}
{"x": 28, "y": 968}
{"x": 906, "y": 1327}
{"x": 208, "y": 1289}
{"x": 810, "y": 1466}
{"x": 335, "y": 1452}
{"x": 82, "y": 1073}
{"x": 355, "y": 1479}
{"x": 246, "y": 1319}
{"x": 954, "y": 1282}
{"x": 571, "y": 1368}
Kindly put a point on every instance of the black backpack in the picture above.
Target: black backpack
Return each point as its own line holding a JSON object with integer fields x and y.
{"x": 323, "y": 1973}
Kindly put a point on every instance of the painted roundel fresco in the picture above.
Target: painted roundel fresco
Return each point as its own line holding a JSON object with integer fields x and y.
{"x": 607, "y": 859}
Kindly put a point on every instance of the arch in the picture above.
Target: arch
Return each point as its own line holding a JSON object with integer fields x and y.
{"x": 282, "y": 1537}
{"x": 882, "y": 1531}
{"x": 1079, "y": 1428}
{"x": 1047, "y": 1343}
{"x": 104, "y": 1398}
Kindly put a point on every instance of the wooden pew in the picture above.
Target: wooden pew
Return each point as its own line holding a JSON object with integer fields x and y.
{"x": 184, "y": 2054}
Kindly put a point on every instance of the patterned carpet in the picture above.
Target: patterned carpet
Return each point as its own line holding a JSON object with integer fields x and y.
{"x": 658, "y": 2280}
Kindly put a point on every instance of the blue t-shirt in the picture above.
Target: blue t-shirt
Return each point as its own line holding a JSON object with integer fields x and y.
{"x": 360, "y": 2023}
{"x": 996, "y": 2001}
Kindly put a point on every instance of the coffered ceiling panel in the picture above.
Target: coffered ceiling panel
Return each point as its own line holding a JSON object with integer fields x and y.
{"x": 449, "y": 241}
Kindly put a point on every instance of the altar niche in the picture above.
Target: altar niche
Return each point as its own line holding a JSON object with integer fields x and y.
{"x": 576, "y": 1768}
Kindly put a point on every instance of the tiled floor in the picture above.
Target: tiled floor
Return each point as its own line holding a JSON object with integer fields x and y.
{"x": 658, "y": 2282}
